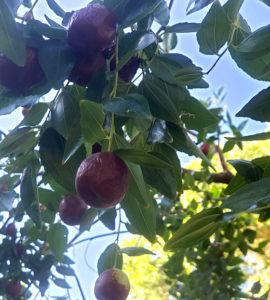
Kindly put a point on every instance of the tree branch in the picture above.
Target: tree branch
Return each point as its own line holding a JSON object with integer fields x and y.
{"x": 223, "y": 177}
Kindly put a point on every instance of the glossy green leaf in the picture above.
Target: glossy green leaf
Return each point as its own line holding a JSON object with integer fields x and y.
{"x": 142, "y": 217}
{"x": 161, "y": 105}
{"x": 35, "y": 114}
{"x": 258, "y": 107}
{"x": 196, "y": 116}
{"x": 52, "y": 147}
{"x": 142, "y": 158}
{"x": 12, "y": 42}
{"x": 92, "y": 119}
{"x": 183, "y": 27}
{"x": 57, "y": 61}
{"x": 249, "y": 196}
{"x": 57, "y": 239}
{"x": 29, "y": 193}
{"x": 232, "y": 8}
{"x": 56, "y": 8}
{"x": 136, "y": 251}
{"x": 111, "y": 257}
{"x": 214, "y": 30}
{"x": 18, "y": 141}
{"x": 257, "y": 41}
{"x": 195, "y": 230}
{"x": 132, "y": 105}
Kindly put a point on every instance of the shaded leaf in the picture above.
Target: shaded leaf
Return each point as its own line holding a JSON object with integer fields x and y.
{"x": 12, "y": 42}
{"x": 198, "y": 5}
{"x": 57, "y": 239}
{"x": 61, "y": 283}
{"x": 107, "y": 217}
{"x": 253, "y": 137}
{"x": 111, "y": 257}
{"x": 162, "y": 14}
{"x": 88, "y": 219}
{"x": 66, "y": 271}
{"x": 136, "y": 251}
{"x": 183, "y": 27}
{"x": 56, "y": 8}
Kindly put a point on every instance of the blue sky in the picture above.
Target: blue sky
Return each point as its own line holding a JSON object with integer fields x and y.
{"x": 239, "y": 88}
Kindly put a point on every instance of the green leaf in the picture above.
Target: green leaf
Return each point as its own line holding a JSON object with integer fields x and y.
{"x": 159, "y": 133}
{"x": 142, "y": 217}
{"x": 52, "y": 32}
{"x": 182, "y": 142}
{"x": 132, "y": 105}
{"x": 214, "y": 30}
{"x": 134, "y": 13}
{"x": 196, "y": 116}
{"x": 199, "y": 4}
{"x": 52, "y": 147}
{"x": 188, "y": 75}
{"x": 111, "y": 257}
{"x": 142, "y": 158}
{"x": 66, "y": 271}
{"x": 29, "y": 194}
{"x": 136, "y": 251}
{"x": 254, "y": 137}
{"x": 183, "y": 27}
{"x": 161, "y": 105}
{"x": 107, "y": 217}
{"x": 92, "y": 119}
{"x": 12, "y": 42}
{"x": 131, "y": 43}
{"x": 57, "y": 61}
{"x": 249, "y": 196}
{"x": 88, "y": 219}
{"x": 51, "y": 199}
{"x": 57, "y": 239}
{"x": 61, "y": 283}
{"x": 195, "y": 230}
{"x": 18, "y": 141}
{"x": 56, "y": 8}
{"x": 256, "y": 42}
{"x": 35, "y": 114}
{"x": 232, "y": 8}
{"x": 258, "y": 107}
{"x": 162, "y": 14}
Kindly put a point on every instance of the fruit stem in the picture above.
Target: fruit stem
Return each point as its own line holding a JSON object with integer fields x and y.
{"x": 119, "y": 227}
{"x": 111, "y": 134}
{"x": 79, "y": 286}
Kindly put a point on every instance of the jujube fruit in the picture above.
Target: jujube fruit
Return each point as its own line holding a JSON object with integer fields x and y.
{"x": 21, "y": 79}
{"x": 112, "y": 284}
{"x": 128, "y": 71}
{"x": 86, "y": 67}
{"x": 91, "y": 29}
{"x": 71, "y": 209}
{"x": 205, "y": 148}
{"x": 11, "y": 229}
{"x": 13, "y": 289}
{"x": 102, "y": 180}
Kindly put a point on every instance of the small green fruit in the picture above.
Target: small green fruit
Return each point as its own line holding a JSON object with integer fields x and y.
{"x": 112, "y": 284}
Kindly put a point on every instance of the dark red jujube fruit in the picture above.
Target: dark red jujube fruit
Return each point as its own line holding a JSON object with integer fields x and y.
{"x": 102, "y": 180}
{"x": 86, "y": 67}
{"x": 71, "y": 209}
{"x": 91, "y": 29}
{"x": 112, "y": 284}
{"x": 13, "y": 289}
{"x": 11, "y": 229}
{"x": 21, "y": 79}
{"x": 205, "y": 148}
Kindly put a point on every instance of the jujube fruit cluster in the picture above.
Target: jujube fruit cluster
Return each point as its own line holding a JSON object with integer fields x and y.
{"x": 112, "y": 284}
{"x": 71, "y": 209}
{"x": 21, "y": 79}
{"x": 102, "y": 180}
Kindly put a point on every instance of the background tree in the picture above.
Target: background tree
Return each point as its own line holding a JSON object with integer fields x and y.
{"x": 110, "y": 136}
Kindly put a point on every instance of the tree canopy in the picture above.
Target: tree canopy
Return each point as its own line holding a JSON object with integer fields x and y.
{"x": 108, "y": 105}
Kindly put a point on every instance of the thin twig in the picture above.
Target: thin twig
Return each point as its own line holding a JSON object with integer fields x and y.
{"x": 97, "y": 237}
{"x": 79, "y": 286}
{"x": 220, "y": 56}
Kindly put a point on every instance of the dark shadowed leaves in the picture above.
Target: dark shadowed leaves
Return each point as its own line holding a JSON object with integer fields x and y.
{"x": 183, "y": 27}
{"x": 198, "y": 5}
{"x": 258, "y": 107}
